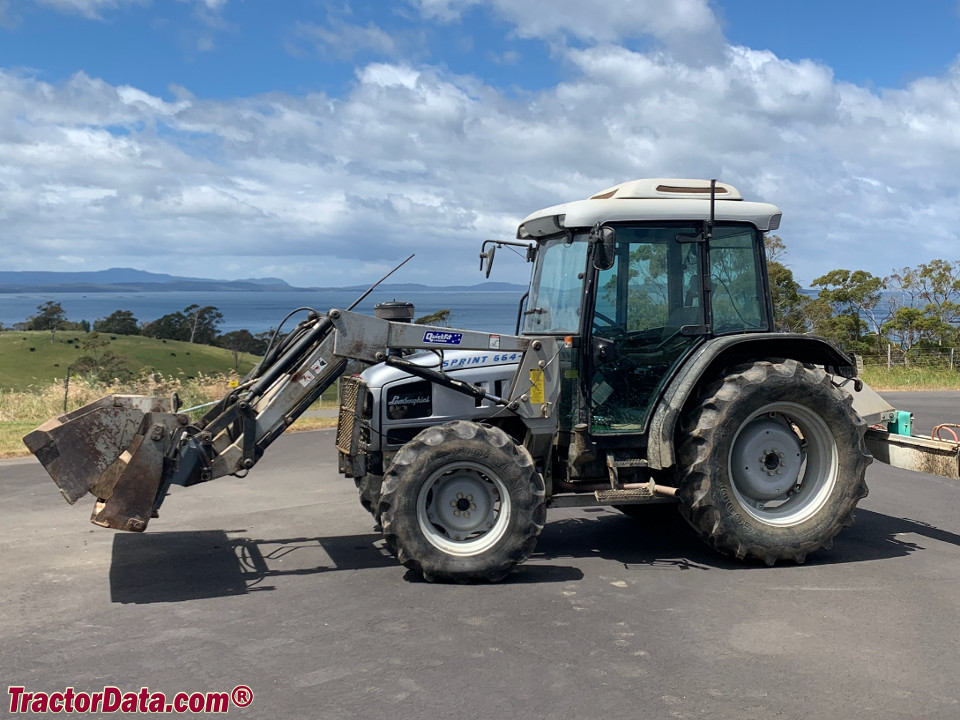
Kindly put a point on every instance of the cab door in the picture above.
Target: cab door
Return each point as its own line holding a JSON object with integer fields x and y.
{"x": 648, "y": 314}
{"x": 668, "y": 291}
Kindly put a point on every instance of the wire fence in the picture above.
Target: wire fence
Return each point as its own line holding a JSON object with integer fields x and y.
{"x": 943, "y": 358}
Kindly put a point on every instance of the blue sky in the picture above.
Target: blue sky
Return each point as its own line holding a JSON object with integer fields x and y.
{"x": 322, "y": 141}
{"x": 247, "y": 47}
{"x": 879, "y": 44}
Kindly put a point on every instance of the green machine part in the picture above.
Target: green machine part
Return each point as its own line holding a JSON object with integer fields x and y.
{"x": 902, "y": 424}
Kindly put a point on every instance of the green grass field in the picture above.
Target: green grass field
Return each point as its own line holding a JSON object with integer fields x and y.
{"x": 30, "y": 359}
{"x": 32, "y": 381}
{"x": 910, "y": 378}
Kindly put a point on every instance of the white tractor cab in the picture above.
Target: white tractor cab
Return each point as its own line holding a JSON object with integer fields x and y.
{"x": 665, "y": 285}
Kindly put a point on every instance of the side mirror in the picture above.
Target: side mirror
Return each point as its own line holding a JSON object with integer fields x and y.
{"x": 605, "y": 247}
{"x": 489, "y": 249}
{"x": 489, "y": 256}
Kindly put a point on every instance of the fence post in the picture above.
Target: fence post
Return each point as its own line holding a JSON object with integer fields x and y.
{"x": 66, "y": 389}
{"x": 888, "y": 357}
{"x": 951, "y": 358}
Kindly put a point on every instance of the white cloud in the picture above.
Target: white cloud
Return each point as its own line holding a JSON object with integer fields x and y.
{"x": 208, "y": 7}
{"x": 386, "y": 75}
{"x": 330, "y": 191}
{"x": 209, "y": 13}
{"x": 687, "y": 28}
{"x": 345, "y": 40}
{"x": 8, "y": 18}
{"x": 443, "y": 10}
{"x": 88, "y": 8}
{"x": 510, "y": 57}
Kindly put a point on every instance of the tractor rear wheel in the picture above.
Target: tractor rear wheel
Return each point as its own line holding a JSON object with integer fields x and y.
{"x": 772, "y": 462}
{"x": 462, "y": 503}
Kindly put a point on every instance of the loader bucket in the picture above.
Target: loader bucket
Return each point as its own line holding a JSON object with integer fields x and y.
{"x": 113, "y": 448}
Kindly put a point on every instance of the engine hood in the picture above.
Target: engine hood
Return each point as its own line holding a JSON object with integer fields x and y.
{"x": 453, "y": 360}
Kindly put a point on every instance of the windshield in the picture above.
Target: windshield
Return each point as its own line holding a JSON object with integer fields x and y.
{"x": 556, "y": 290}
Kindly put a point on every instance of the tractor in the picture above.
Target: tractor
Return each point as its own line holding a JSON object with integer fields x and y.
{"x": 644, "y": 369}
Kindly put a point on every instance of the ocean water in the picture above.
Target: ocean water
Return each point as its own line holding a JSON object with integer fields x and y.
{"x": 262, "y": 311}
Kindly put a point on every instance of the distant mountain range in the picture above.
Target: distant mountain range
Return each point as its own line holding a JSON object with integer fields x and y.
{"x": 130, "y": 280}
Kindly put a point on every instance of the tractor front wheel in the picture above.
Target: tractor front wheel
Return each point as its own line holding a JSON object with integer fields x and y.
{"x": 462, "y": 503}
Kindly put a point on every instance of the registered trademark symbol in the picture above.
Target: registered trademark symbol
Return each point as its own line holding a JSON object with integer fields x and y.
{"x": 241, "y": 696}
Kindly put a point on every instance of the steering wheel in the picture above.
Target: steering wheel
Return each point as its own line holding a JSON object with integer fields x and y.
{"x": 601, "y": 316}
{"x": 608, "y": 328}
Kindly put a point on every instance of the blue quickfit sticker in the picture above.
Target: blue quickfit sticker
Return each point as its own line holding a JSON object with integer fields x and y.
{"x": 442, "y": 338}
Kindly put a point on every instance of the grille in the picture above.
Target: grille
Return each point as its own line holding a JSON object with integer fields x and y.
{"x": 351, "y": 395}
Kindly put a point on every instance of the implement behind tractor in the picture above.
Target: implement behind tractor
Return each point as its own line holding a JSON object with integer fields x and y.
{"x": 644, "y": 370}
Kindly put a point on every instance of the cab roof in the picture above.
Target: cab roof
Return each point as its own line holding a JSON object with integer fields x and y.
{"x": 651, "y": 199}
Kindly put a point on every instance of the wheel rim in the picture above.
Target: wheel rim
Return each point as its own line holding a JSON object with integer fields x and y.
{"x": 463, "y": 509}
{"x": 783, "y": 464}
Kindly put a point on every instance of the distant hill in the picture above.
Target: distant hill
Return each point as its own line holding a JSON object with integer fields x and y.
{"x": 415, "y": 287}
{"x": 127, "y": 280}
{"x": 96, "y": 277}
{"x": 130, "y": 280}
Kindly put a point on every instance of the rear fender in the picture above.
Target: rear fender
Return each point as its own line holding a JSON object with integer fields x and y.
{"x": 717, "y": 353}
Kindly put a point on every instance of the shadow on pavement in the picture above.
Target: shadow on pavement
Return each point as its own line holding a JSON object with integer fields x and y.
{"x": 179, "y": 566}
{"x": 662, "y": 538}
{"x": 659, "y": 537}
{"x": 876, "y": 537}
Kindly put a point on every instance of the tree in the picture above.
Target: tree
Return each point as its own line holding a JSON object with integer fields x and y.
{"x": 100, "y": 362}
{"x": 647, "y": 297}
{"x": 852, "y": 296}
{"x": 50, "y": 316}
{"x": 934, "y": 289}
{"x": 119, "y": 322}
{"x": 440, "y": 317}
{"x": 172, "y": 326}
{"x": 194, "y": 324}
{"x": 940, "y": 288}
{"x": 239, "y": 342}
{"x": 790, "y": 306}
{"x": 775, "y": 248}
{"x": 203, "y": 323}
{"x": 263, "y": 339}
{"x": 908, "y": 327}
{"x": 818, "y": 316}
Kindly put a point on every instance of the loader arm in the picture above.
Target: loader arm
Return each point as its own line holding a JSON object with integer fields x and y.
{"x": 128, "y": 450}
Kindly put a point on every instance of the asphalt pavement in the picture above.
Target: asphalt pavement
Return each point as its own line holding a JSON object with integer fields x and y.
{"x": 279, "y": 582}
